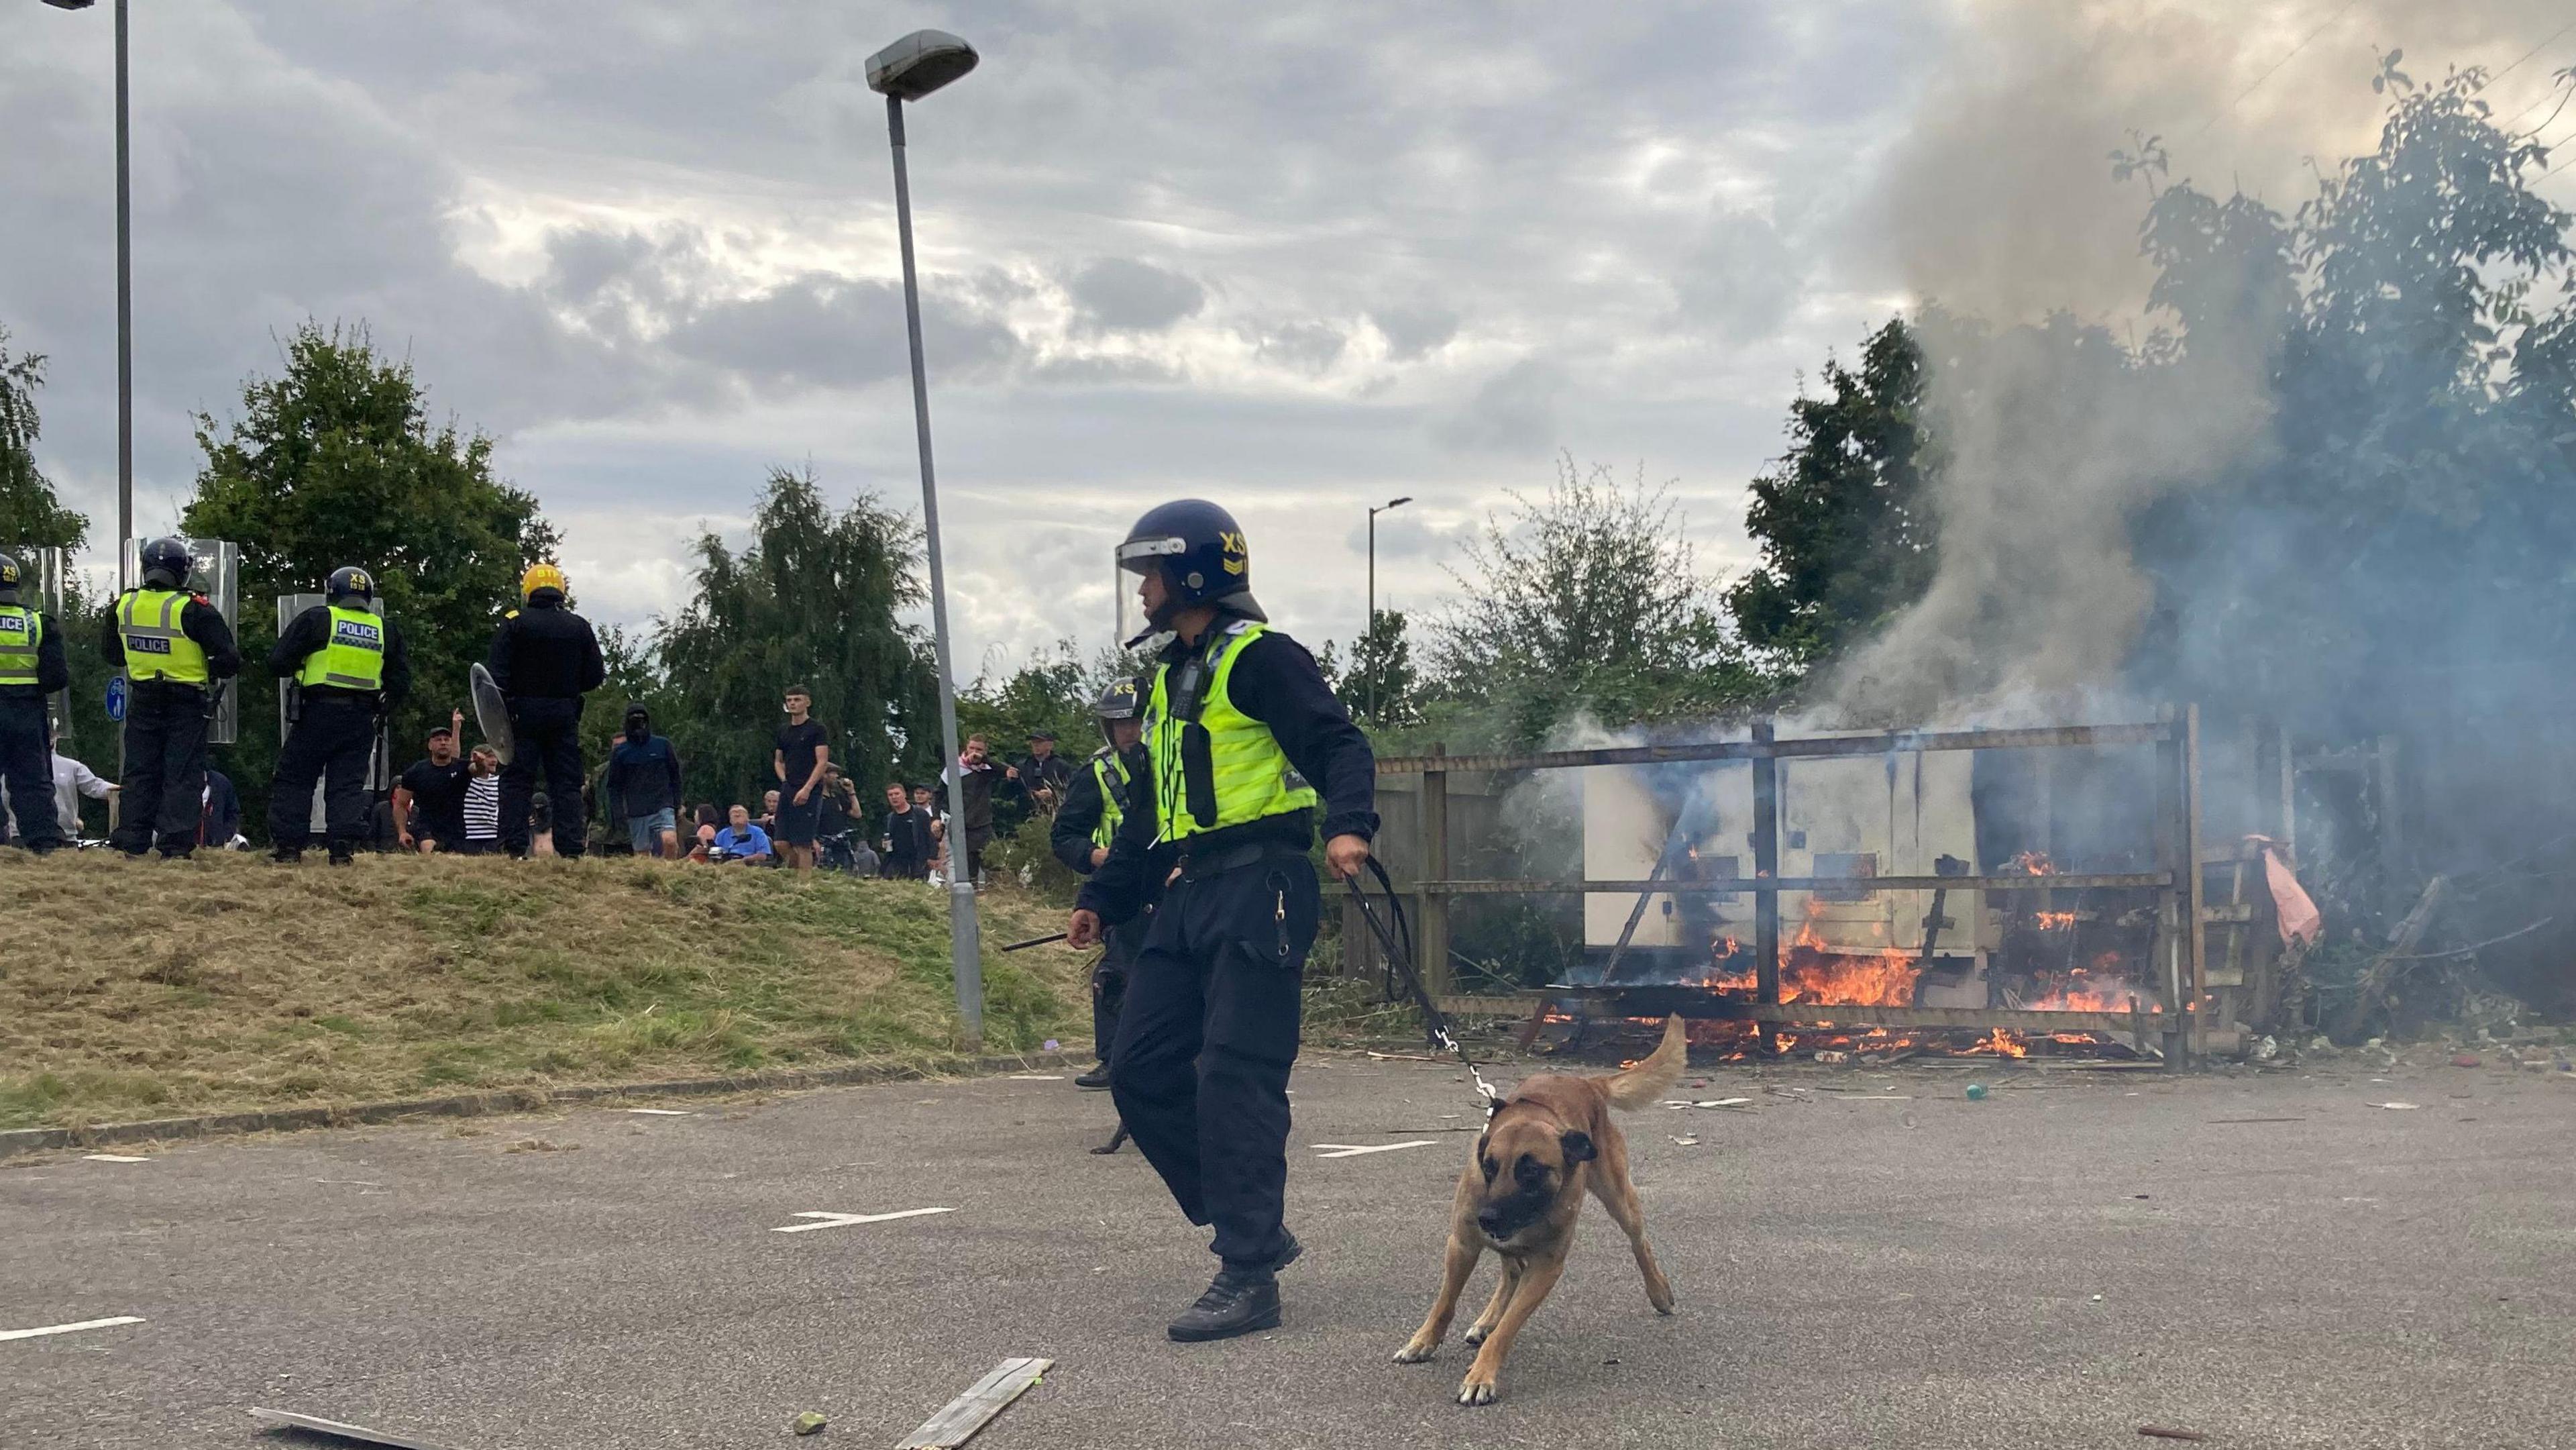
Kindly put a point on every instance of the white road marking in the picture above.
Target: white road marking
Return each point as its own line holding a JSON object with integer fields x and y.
{"x": 71, "y": 1328}
{"x": 844, "y": 1220}
{"x": 1350, "y": 1150}
{"x": 662, "y": 1112}
{"x": 113, "y": 1158}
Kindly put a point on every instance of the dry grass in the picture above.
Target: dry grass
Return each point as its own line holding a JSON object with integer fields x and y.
{"x": 145, "y": 989}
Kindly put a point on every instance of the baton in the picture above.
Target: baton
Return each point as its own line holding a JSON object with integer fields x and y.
{"x": 1035, "y": 941}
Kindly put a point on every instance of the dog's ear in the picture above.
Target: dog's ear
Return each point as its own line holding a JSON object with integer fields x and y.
{"x": 1578, "y": 1148}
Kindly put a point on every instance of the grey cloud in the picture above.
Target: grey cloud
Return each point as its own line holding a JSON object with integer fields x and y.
{"x": 1119, "y": 294}
{"x": 1513, "y": 412}
{"x": 1413, "y": 331}
{"x": 1306, "y": 347}
{"x": 826, "y": 331}
{"x": 1740, "y": 280}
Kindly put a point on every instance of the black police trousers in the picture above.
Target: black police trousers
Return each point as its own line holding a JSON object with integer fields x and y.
{"x": 27, "y": 767}
{"x": 165, "y": 769}
{"x": 332, "y": 742}
{"x": 1109, "y": 983}
{"x": 1205, "y": 1040}
{"x": 543, "y": 733}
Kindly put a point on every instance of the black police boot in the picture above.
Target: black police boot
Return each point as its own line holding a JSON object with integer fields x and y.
{"x": 1241, "y": 1301}
{"x": 287, "y": 856}
{"x": 343, "y": 856}
{"x": 1096, "y": 1080}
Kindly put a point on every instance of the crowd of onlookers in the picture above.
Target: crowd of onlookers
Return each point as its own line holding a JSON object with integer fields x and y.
{"x": 815, "y": 816}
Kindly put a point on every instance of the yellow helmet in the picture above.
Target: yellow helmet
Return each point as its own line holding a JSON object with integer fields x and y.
{"x": 542, "y": 575}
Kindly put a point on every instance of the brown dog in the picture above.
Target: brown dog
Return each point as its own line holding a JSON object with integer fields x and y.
{"x": 1520, "y": 1194}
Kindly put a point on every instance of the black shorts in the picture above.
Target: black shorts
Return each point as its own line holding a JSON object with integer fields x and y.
{"x": 796, "y": 824}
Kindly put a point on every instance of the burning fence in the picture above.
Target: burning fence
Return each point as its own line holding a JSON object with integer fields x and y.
{"x": 1823, "y": 894}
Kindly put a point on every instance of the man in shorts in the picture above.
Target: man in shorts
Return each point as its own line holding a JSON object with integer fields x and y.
{"x": 644, "y": 776}
{"x": 803, "y": 751}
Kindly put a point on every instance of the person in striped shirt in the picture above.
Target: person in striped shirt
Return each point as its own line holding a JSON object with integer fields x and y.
{"x": 483, "y": 802}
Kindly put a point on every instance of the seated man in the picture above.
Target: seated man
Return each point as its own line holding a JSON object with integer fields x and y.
{"x": 742, "y": 840}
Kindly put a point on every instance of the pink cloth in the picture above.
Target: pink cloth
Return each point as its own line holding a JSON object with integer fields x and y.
{"x": 2301, "y": 922}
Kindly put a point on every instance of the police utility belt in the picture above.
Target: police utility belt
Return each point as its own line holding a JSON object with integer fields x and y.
{"x": 1206, "y": 863}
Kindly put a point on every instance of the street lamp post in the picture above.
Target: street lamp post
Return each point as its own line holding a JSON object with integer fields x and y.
{"x": 908, "y": 70}
{"x": 1371, "y": 626}
{"x": 124, "y": 304}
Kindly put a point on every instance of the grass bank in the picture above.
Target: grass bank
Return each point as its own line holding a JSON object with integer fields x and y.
{"x": 146, "y": 989}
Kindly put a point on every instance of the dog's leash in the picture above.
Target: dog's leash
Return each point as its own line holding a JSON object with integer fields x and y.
{"x": 1396, "y": 942}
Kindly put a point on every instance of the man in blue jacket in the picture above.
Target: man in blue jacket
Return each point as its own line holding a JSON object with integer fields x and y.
{"x": 644, "y": 774}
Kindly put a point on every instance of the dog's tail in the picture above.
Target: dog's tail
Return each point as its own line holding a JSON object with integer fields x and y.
{"x": 1647, "y": 1082}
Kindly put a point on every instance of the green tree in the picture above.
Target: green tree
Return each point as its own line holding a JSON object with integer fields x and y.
{"x": 1380, "y": 687}
{"x": 1588, "y": 601}
{"x": 812, "y": 599}
{"x": 1842, "y": 519}
{"x": 1051, "y": 690}
{"x": 335, "y": 461}
{"x": 30, "y": 516}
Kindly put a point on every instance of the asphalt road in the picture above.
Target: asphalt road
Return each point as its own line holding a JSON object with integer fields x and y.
{"x": 2075, "y": 1257}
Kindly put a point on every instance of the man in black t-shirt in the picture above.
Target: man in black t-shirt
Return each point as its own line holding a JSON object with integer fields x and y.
{"x": 908, "y": 846}
{"x": 432, "y": 792}
{"x": 803, "y": 751}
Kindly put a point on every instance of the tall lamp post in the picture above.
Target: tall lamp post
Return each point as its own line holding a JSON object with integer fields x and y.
{"x": 1371, "y": 627}
{"x": 908, "y": 70}
{"x": 124, "y": 305}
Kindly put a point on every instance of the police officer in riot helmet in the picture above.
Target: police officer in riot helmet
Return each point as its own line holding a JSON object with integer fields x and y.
{"x": 1096, "y": 801}
{"x": 1245, "y": 747}
{"x": 349, "y": 668}
{"x": 176, "y": 650}
{"x": 544, "y": 658}
{"x": 31, "y": 667}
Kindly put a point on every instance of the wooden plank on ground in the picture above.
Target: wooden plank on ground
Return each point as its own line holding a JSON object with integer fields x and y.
{"x": 975, "y": 1409}
{"x": 288, "y": 1419}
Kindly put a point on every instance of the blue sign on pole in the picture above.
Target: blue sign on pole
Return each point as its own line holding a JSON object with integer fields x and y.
{"x": 116, "y": 689}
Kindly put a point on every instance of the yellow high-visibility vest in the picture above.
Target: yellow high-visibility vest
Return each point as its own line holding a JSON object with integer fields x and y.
{"x": 155, "y": 647}
{"x": 354, "y": 657}
{"x": 1251, "y": 774}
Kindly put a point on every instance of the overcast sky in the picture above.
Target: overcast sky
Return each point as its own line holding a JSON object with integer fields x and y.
{"x": 1298, "y": 258}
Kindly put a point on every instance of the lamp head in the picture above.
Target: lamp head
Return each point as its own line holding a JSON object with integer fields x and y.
{"x": 918, "y": 64}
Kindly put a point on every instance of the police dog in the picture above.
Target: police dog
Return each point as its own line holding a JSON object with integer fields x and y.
{"x": 1551, "y": 1141}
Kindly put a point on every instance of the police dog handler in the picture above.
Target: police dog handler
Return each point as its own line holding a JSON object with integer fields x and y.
{"x": 1246, "y": 744}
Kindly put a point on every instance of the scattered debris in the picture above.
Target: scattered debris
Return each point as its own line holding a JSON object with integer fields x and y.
{"x": 2165, "y": 1432}
{"x": 845, "y": 1220}
{"x": 973, "y": 1410}
{"x": 1687, "y": 1142}
{"x": 1723, "y": 1103}
{"x": 1833, "y": 1055}
{"x": 1052, "y": 1046}
{"x": 289, "y": 1420}
{"x": 808, "y": 1423}
{"x": 114, "y": 1158}
{"x": 1976, "y": 1092}
{"x": 2396, "y": 1107}
{"x": 2258, "y": 1120}
{"x": 541, "y": 1145}
{"x": 2465, "y": 1059}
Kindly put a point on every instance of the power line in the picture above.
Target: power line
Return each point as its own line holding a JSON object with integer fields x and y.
{"x": 2528, "y": 54}
{"x": 2329, "y": 24}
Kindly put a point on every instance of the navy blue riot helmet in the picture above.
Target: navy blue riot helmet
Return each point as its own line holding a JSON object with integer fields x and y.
{"x": 1201, "y": 554}
{"x": 166, "y": 564}
{"x": 349, "y": 582}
